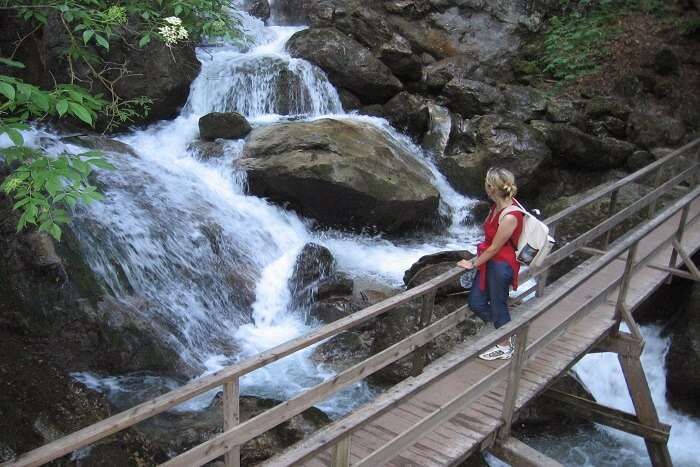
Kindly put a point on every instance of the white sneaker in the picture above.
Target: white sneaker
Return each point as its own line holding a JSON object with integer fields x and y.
{"x": 497, "y": 352}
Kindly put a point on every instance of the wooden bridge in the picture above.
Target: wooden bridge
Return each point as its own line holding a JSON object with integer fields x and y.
{"x": 459, "y": 404}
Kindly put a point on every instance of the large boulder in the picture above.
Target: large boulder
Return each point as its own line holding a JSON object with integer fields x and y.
{"x": 341, "y": 173}
{"x": 463, "y": 66}
{"x": 650, "y": 131}
{"x": 578, "y": 149}
{"x": 314, "y": 263}
{"x": 500, "y": 141}
{"x": 430, "y": 266}
{"x": 408, "y": 113}
{"x": 683, "y": 357}
{"x": 258, "y": 8}
{"x": 347, "y": 62}
{"x": 227, "y": 125}
{"x": 469, "y": 98}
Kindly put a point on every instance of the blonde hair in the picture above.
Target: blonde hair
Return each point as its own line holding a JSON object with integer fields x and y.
{"x": 503, "y": 181}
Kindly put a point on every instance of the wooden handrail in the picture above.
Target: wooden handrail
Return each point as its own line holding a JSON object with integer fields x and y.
{"x": 320, "y": 440}
{"x": 232, "y": 373}
{"x": 554, "y": 219}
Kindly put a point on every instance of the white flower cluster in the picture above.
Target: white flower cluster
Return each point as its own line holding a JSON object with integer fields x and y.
{"x": 173, "y": 31}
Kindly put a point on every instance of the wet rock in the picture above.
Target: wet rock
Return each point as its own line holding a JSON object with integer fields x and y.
{"x": 180, "y": 431}
{"x": 430, "y": 266}
{"x": 469, "y": 98}
{"x": 314, "y": 263}
{"x": 348, "y": 63}
{"x": 100, "y": 143}
{"x": 408, "y": 113}
{"x": 649, "y": 130}
{"x": 227, "y": 125}
{"x": 258, "y": 8}
{"x": 341, "y": 173}
{"x": 437, "y": 138}
{"x": 410, "y": 8}
{"x": 337, "y": 284}
{"x": 375, "y": 110}
{"x": 332, "y": 309}
{"x": 683, "y": 357}
{"x": 463, "y": 135}
{"x": 666, "y": 62}
{"x": 503, "y": 142}
{"x": 344, "y": 350}
{"x": 207, "y": 150}
{"x": 349, "y": 100}
{"x": 599, "y": 106}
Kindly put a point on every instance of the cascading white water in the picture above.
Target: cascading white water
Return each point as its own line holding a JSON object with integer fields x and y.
{"x": 174, "y": 228}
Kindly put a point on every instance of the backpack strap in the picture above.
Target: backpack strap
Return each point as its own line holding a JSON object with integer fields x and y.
{"x": 508, "y": 210}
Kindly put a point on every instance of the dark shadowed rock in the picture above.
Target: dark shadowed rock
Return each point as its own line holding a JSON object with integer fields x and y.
{"x": 683, "y": 357}
{"x": 650, "y": 131}
{"x": 431, "y": 266}
{"x": 469, "y": 98}
{"x": 314, "y": 263}
{"x": 666, "y": 62}
{"x": 542, "y": 411}
{"x": 349, "y": 100}
{"x": 639, "y": 159}
{"x": 258, "y": 8}
{"x": 503, "y": 142}
{"x": 347, "y": 62}
{"x": 399, "y": 57}
{"x": 408, "y": 113}
{"x": 227, "y": 125}
{"x": 464, "y": 66}
{"x": 524, "y": 103}
{"x": 586, "y": 151}
{"x": 100, "y": 143}
{"x": 341, "y": 173}
{"x": 332, "y": 309}
{"x": 206, "y": 150}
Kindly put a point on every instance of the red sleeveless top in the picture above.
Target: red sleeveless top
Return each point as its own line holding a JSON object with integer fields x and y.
{"x": 507, "y": 251}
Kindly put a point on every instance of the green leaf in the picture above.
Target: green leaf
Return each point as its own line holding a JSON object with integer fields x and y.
{"x": 145, "y": 40}
{"x": 7, "y": 90}
{"x": 62, "y": 107}
{"x": 12, "y": 63}
{"x": 53, "y": 186}
{"x": 178, "y": 10}
{"x": 102, "y": 41}
{"x": 101, "y": 163}
{"x": 87, "y": 35}
{"x": 80, "y": 112}
{"x": 21, "y": 203}
{"x": 41, "y": 100}
{"x": 55, "y": 232}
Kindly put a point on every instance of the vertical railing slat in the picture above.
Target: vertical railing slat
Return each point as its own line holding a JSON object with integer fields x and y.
{"x": 516, "y": 365}
{"x": 231, "y": 419}
{"x": 424, "y": 320}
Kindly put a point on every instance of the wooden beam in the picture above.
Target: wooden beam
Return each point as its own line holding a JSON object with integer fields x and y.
{"x": 644, "y": 407}
{"x": 255, "y": 426}
{"x": 425, "y": 317}
{"x": 341, "y": 452}
{"x": 231, "y": 418}
{"x": 686, "y": 258}
{"x": 608, "y": 416}
{"x": 621, "y": 343}
{"x": 519, "y": 454}
{"x": 516, "y": 366}
{"x": 674, "y": 272}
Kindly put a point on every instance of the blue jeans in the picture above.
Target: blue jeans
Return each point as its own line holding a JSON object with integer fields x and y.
{"x": 491, "y": 304}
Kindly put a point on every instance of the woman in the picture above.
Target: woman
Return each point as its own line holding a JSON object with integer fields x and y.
{"x": 496, "y": 266}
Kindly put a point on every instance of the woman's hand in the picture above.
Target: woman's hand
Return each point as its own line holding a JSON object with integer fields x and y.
{"x": 466, "y": 264}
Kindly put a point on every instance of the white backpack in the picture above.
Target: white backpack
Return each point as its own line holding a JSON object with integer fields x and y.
{"x": 535, "y": 242}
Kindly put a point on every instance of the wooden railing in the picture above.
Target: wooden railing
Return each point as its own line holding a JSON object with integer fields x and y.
{"x": 227, "y": 443}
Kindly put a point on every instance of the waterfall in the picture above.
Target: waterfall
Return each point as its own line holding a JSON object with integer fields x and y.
{"x": 178, "y": 231}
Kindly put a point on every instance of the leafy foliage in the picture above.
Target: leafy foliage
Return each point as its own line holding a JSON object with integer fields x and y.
{"x": 43, "y": 186}
{"x": 575, "y": 42}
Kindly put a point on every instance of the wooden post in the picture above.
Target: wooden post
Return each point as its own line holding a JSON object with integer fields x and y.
{"x": 424, "y": 320}
{"x": 644, "y": 407}
{"x": 341, "y": 452}
{"x": 679, "y": 237}
{"x": 686, "y": 259}
{"x": 542, "y": 279}
{"x": 231, "y": 419}
{"x": 611, "y": 210}
{"x": 516, "y": 365}
{"x": 626, "y": 277}
{"x": 657, "y": 182}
